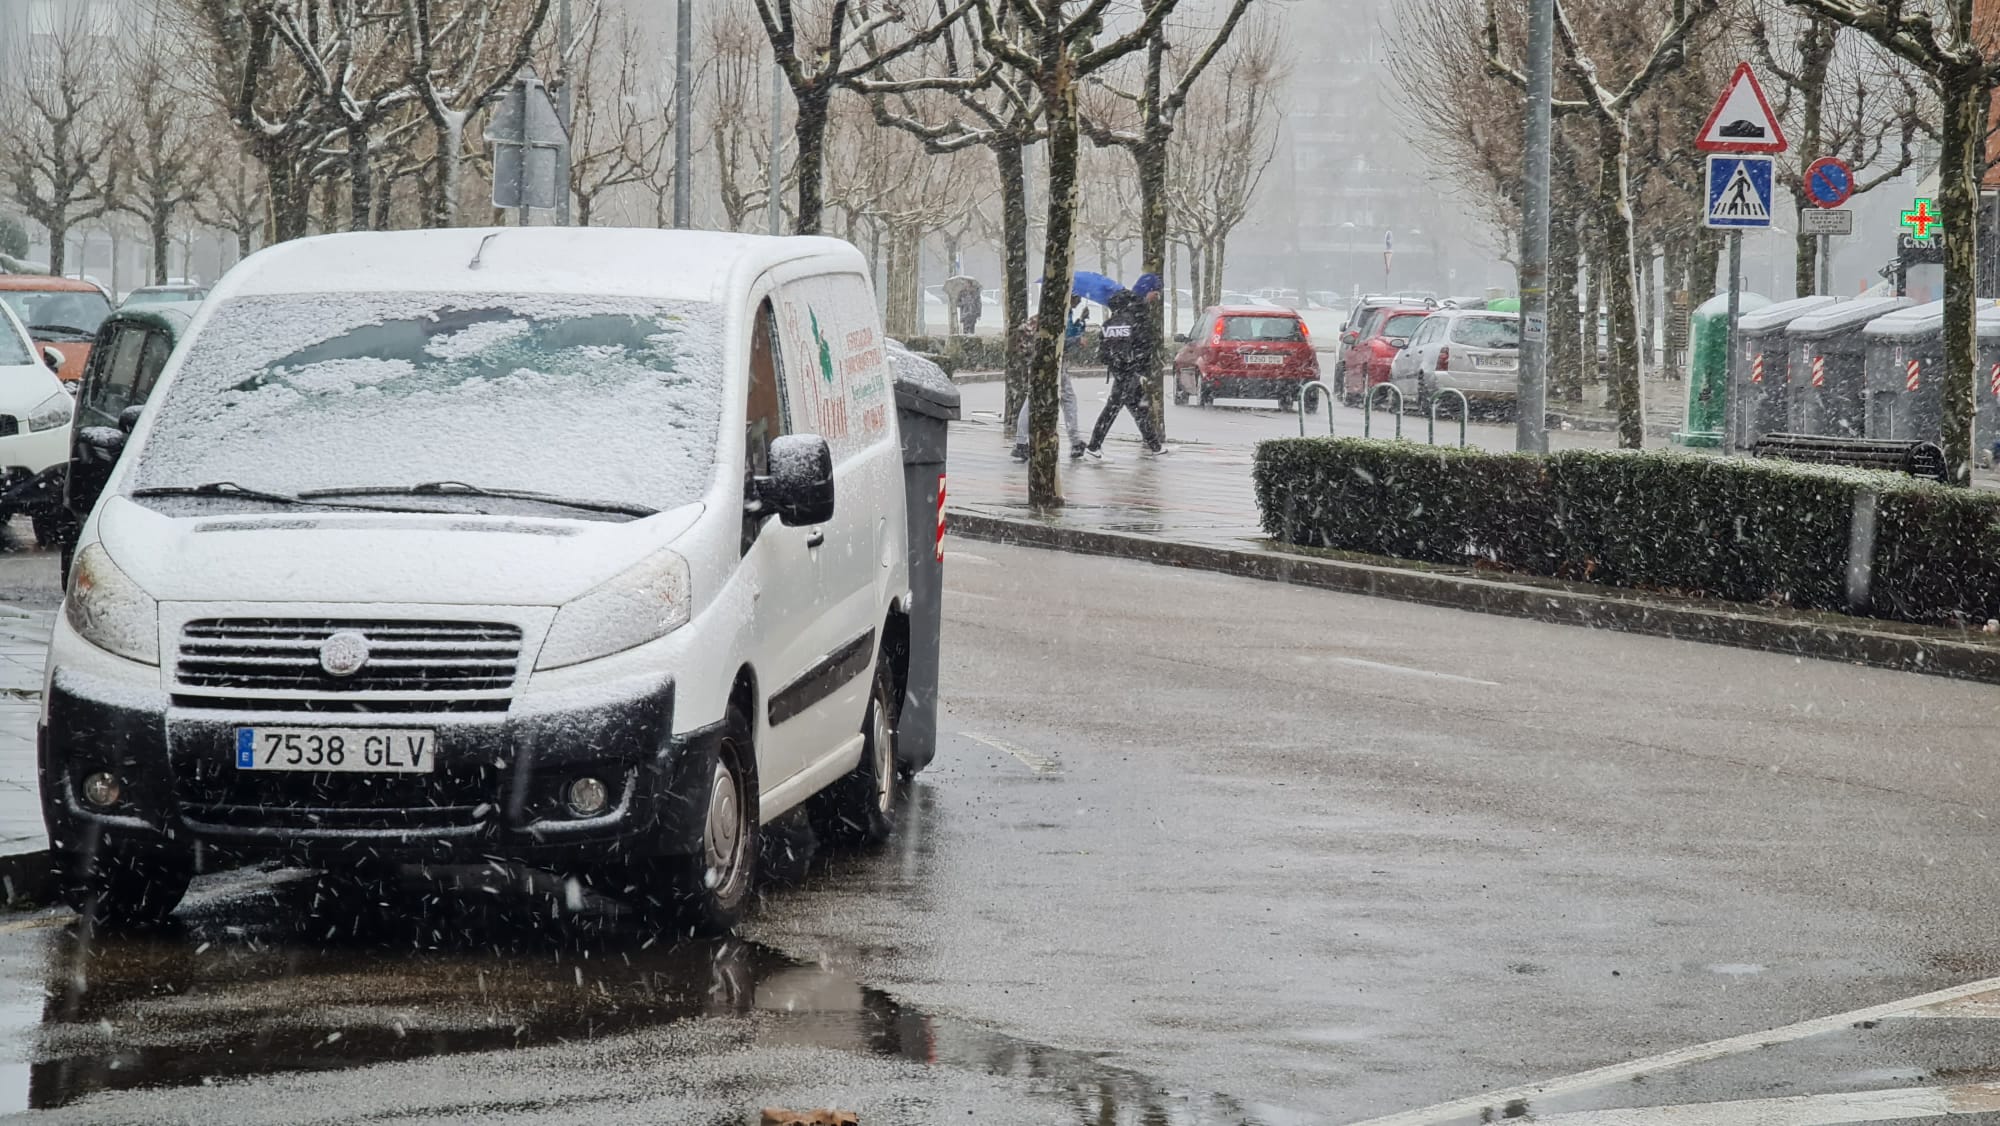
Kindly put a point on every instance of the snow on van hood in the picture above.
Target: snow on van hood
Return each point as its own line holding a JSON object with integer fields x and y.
{"x": 433, "y": 558}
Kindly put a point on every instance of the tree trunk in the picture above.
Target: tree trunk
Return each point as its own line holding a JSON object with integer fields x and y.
{"x": 291, "y": 198}
{"x": 583, "y": 202}
{"x": 360, "y": 178}
{"x": 161, "y": 238}
{"x": 1614, "y": 198}
{"x": 811, "y": 160}
{"x": 450, "y": 161}
{"x": 1565, "y": 339}
{"x": 902, "y": 289}
{"x": 1014, "y": 290}
{"x": 1059, "y": 96}
{"x": 1966, "y": 102}
{"x": 1705, "y": 266}
{"x": 59, "y": 245}
{"x": 243, "y": 241}
{"x": 1589, "y": 372}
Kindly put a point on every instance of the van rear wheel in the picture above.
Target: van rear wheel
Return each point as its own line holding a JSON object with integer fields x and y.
{"x": 861, "y": 807}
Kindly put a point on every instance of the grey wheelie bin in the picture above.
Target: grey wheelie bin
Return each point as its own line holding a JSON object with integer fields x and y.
{"x": 1906, "y": 374}
{"x": 1828, "y": 367}
{"x": 926, "y": 404}
{"x": 1757, "y": 370}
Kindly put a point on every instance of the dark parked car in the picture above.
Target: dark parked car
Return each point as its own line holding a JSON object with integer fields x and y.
{"x": 132, "y": 347}
{"x": 1245, "y": 352}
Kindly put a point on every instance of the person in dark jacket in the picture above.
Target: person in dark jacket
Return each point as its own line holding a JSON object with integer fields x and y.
{"x": 1127, "y": 343}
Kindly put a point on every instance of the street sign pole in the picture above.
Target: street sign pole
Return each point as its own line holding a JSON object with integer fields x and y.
{"x": 1531, "y": 434}
{"x": 1729, "y": 339}
{"x": 683, "y": 112}
{"x": 565, "y": 107}
{"x": 777, "y": 169}
{"x": 521, "y": 174}
{"x": 1826, "y": 265}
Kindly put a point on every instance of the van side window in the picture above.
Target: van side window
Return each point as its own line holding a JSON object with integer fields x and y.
{"x": 765, "y": 419}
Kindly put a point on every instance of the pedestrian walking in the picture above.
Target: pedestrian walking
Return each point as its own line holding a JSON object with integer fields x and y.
{"x": 970, "y": 305}
{"x": 1067, "y": 393}
{"x": 962, "y": 294}
{"x": 1128, "y": 341}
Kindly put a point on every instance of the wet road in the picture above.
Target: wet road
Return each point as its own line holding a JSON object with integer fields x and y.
{"x": 1197, "y": 850}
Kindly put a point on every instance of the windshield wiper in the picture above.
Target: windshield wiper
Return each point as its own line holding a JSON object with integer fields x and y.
{"x": 71, "y": 329}
{"x": 232, "y": 490}
{"x": 461, "y": 489}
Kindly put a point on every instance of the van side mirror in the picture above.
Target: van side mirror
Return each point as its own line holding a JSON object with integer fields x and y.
{"x": 53, "y": 357}
{"x": 1350, "y": 338}
{"x": 799, "y": 489}
{"x": 1180, "y": 338}
{"x": 129, "y": 417}
{"x": 96, "y": 454}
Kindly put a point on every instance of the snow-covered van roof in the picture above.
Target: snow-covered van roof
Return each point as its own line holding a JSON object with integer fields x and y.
{"x": 639, "y": 262}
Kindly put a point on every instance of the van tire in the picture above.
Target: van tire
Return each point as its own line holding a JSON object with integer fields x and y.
{"x": 860, "y": 808}
{"x": 118, "y": 888}
{"x": 679, "y": 890}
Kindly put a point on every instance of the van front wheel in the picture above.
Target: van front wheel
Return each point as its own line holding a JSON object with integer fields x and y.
{"x": 861, "y": 807}
{"x": 124, "y": 888}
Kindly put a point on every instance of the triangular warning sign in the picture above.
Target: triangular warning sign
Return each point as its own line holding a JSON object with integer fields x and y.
{"x": 1742, "y": 120}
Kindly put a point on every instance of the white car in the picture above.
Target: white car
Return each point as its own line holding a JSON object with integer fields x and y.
{"x": 1472, "y": 351}
{"x": 583, "y": 548}
{"x": 35, "y": 407}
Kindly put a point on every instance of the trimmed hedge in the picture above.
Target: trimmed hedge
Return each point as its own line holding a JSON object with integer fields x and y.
{"x": 983, "y": 353}
{"x": 1746, "y": 530}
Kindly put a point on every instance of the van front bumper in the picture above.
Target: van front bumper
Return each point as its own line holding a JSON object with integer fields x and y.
{"x": 496, "y": 792}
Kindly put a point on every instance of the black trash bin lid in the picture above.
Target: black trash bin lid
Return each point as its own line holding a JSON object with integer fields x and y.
{"x": 922, "y": 387}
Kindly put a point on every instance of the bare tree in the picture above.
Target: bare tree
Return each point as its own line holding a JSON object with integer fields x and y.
{"x": 738, "y": 113}
{"x": 1057, "y": 46}
{"x": 822, "y": 48}
{"x": 1221, "y": 155}
{"x": 1610, "y": 109}
{"x": 232, "y": 197}
{"x": 1836, "y": 100}
{"x": 158, "y": 153}
{"x": 463, "y": 56}
{"x": 618, "y": 128}
{"x": 55, "y": 114}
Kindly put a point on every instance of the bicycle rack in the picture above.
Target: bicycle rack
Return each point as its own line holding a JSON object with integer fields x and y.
{"x": 1368, "y": 408}
{"x": 1464, "y": 411}
{"x": 1325, "y": 393}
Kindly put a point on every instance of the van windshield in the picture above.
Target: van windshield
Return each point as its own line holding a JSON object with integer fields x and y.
{"x": 609, "y": 399}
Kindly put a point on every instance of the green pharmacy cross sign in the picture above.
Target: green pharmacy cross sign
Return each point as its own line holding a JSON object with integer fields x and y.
{"x": 1922, "y": 222}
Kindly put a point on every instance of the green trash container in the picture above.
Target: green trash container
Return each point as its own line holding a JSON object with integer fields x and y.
{"x": 1708, "y": 368}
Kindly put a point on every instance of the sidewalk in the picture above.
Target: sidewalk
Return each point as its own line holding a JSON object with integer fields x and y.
{"x": 1196, "y": 508}
{"x": 23, "y": 840}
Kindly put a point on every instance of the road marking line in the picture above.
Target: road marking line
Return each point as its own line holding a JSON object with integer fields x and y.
{"x": 1984, "y": 1006}
{"x": 1040, "y": 764}
{"x": 1380, "y": 667}
{"x": 1680, "y": 1057}
{"x": 1798, "y": 1110}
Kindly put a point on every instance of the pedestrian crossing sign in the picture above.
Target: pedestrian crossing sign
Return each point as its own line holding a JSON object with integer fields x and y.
{"x": 1739, "y": 192}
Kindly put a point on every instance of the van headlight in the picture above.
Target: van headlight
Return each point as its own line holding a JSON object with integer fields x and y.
{"x": 106, "y": 608}
{"x": 51, "y": 412}
{"x": 643, "y": 604}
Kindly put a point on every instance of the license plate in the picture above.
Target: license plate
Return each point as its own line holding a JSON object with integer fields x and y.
{"x": 1504, "y": 363}
{"x": 1264, "y": 361}
{"x": 337, "y": 750}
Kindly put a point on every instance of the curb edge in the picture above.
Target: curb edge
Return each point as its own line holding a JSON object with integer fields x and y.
{"x": 1896, "y": 652}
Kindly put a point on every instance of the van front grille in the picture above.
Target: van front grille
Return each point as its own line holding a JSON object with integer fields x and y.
{"x": 283, "y": 654}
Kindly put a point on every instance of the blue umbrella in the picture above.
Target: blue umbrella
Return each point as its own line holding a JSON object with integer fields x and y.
{"x": 1094, "y": 287}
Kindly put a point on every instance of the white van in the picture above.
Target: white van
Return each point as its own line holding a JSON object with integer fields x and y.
{"x": 578, "y": 548}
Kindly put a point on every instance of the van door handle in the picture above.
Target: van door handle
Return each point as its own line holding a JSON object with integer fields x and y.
{"x": 816, "y": 537}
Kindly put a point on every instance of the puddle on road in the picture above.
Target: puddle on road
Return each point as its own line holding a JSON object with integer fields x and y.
{"x": 254, "y": 986}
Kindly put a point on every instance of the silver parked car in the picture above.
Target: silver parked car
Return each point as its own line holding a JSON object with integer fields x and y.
{"x": 1473, "y": 351}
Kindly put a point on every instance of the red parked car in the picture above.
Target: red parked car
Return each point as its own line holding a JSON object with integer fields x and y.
{"x": 1245, "y": 352}
{"x": 1367, "y": 349}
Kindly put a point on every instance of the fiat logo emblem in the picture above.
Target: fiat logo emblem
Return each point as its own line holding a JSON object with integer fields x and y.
{"x": 344, "y": 653}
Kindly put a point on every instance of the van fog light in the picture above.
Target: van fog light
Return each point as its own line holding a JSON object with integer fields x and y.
{"x": 101, "y": 789}
{"x": 587, "y": 797}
